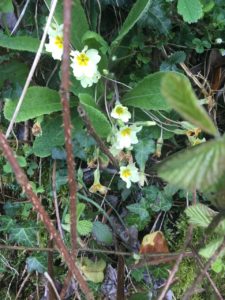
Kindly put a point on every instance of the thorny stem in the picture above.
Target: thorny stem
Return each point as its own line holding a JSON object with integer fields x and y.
{"x": 27, "y": 188}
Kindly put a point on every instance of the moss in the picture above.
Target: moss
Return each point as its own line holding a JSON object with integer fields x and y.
{"x": 186, "y": 274}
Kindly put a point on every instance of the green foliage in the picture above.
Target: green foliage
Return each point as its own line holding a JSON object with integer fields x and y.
{"x": 24, "y": 235}
{"x": 6, "y": 6}
{"x": 170, "y": 63}
{"x": 37, "y": 263}
{"x": 37, "y": 102}
{"x": 142, "y": 150}
{"x": 191, "y": 10}
{"x": 146, "y": 94}
{"x": 138, "y": 9}
{"x": 157, "y": 200}
{"x": 178, "y": 92}
{"x": 199, "y": 167}
{"x": 21, "y": 43}
{"x": 200, "y": 215}
{"x": 102, "y": 233}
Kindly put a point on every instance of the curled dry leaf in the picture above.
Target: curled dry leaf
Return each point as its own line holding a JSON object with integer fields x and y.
{"x": 154, "y": 243}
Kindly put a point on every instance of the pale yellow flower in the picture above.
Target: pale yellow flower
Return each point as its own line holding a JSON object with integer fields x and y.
{"x": 97, "y": 186}
{"x": 55, "y": 45}
{"x": 127, "y": 136}
{"x": 85, "y": 66}
{"x": 129, "y": 174}
{"x": 121, "y": 112}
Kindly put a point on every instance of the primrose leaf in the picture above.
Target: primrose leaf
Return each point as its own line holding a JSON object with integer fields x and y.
{"x": 179, "y": 94}
{"x": 21, "y": 43}
{"x": 191, "y": 10}
{"x": 138, "y": 9}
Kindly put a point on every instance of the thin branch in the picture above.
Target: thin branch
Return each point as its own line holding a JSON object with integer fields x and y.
{"x": 176, "y": 266}
{"x": 50, "y": 281}
{"x": 20, "y": 17}
{"x": 97, "y": 138}
{"x": 27, "y": 188}
{"x": 33, "y": 68}
{"x": 188, "y": 294}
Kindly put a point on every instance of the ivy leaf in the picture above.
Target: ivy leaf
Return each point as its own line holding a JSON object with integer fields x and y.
{"x": 156, "y": 199}
{"x": 138, "y": 9}
{"x": 200, "y": 215}
{"x": 6, "y": 223}
{"x": 191, "y": 10}
{"x": 102, "y": 233}
{"x": 147, "y": 93}
{"x": 37, "y": 102}
{"x": 199, "y": 167}
{"x": 37, "y": 263}
{"x": 142, "y": 150}
{"x": 21, "y": 43}
{"x": 170, "y": 63}
{"x": 179, "y": 94}
{"x": 23, "y": 235}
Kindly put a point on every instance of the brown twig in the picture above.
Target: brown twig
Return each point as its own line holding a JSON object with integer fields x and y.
{"x": 51, "y": 271}
{"x": 65, "y": 97}
{"x": 191, "y": 290}
{"x": 27, "y": 188}
{"x": 176, "y": 266}
{"x": 97, "y": 138}
{"x": 120, "y": 278}
{"x": 198, "y": 259}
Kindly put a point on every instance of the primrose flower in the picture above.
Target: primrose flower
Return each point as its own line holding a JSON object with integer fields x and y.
{"x": 97, "y": 186}
{"x": 129, "y": 174}
{"x": 84, "y": 65}
{"x": 121, "y": 112}
{"x": 127, "y": 136}
{"x": 55, "y": 45}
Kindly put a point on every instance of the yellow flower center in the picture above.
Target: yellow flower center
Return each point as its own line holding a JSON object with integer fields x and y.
{"x": 126, "y": 173}
{"x": 59, "y": 42}
{"x": 119, "y": 110}
{"x": 82, "y": 60}
{"x": 126, "y": 132}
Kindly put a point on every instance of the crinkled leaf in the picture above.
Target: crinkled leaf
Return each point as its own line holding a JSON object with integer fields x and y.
{"x": 199, "y": 167}
{"x": 191, "y": 10}
{"x": 93, "y": 270}
{"x": 38, "y": 101}
{"x": 6, "y": 223}
{"x": 210, "y": 248}
{"x": 37, "y": 263}
{"x": 147, "y": 93}
{"x": 200, "y": 215}
{"x": 97, "y": 118}
{"x": 138, "y": 9}
{"x": 102, "y": 233}
{"x": 84, "y": 227}
{"x": 179, "y": 94}
{"x": 21, "y": 43}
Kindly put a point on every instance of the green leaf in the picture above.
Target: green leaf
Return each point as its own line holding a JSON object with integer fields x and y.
{"x": 93, "y": 270}
{"x": 97, "y": 118}
{"x": 84, "y": 227}
{"x": 210, "y": 248}
{"x": 142, "y": 151}
{"x": 21, "y": 43}
{"x": 37, "y": 263}
{"x": 156, "y": 199}
{"x": 23, "y": 235}
{"x": 178, "y": 92}
{"x": 138, "y": 9}
{"x": 6, "y": 223}
{"x": 200, "y": 215}
{"x": 79, "y": 21}
{"x": 6, "y": 6}
{"x": 199, "y": 167}
{"x": 52, "y": 134}
{"x": 38, "y": 101}
{"x": 13, "y": 71}
{"x": 147, "y": 93}
{"x": 102, "y": 233}
{"x": 191, "y": 10}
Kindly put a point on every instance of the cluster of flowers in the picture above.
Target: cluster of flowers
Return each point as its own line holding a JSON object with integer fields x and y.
{"x": 84, "y": 64}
